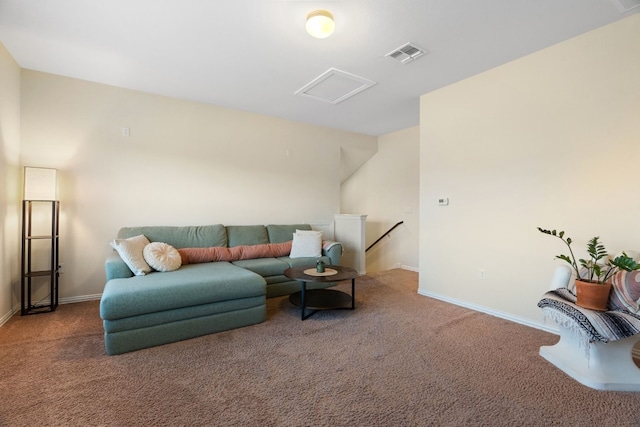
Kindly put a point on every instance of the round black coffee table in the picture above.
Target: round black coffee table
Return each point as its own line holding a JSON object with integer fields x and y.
{"x": 322, "y": 299}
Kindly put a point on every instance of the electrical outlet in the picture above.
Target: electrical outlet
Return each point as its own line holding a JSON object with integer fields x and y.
{"x": 61, "y": 268}
{"x": 482, "y": 274}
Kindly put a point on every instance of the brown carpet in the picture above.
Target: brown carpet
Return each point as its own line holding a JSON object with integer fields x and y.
{"x": 399, "y": 359}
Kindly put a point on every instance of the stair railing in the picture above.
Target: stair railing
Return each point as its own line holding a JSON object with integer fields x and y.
{"x": 384, "y": 235}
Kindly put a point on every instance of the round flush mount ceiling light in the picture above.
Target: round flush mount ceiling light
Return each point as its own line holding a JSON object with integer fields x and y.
{"x": 320, "y": 24}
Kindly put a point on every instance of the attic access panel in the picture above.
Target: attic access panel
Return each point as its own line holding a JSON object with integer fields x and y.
{"x": 334, "y": 86}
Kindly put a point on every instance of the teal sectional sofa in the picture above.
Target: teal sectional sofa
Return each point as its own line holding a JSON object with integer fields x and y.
{"x": 198, "y": 299}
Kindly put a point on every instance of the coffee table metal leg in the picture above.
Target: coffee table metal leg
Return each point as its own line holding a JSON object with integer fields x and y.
{"x": 353, "y": 294}
{"x": 303, "y": 305}
{"x": 302, "y": 302}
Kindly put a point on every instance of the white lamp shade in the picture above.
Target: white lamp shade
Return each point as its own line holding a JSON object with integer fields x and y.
{"x": 320, "y": 24}
{"x": 40, "y": 183}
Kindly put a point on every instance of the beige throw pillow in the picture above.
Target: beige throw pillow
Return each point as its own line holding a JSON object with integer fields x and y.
{"x": 306, "y": 244}
{"x": 162, "y": 256}
{"x": 130, "y": 250}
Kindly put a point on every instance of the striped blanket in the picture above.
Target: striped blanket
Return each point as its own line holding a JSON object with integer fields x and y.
{"x": 596, "y": 326}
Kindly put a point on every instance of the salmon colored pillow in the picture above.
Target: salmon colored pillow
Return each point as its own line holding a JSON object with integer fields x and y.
{"x": 199, "y": 255}
{"x": 216, "y": 253}
{"x": 268, "y": 250}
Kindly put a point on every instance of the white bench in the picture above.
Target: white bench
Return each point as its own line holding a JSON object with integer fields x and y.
{"x": 595, "y": 347}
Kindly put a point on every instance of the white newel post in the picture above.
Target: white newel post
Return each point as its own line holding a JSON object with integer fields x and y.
{"x": 349, "y": 229}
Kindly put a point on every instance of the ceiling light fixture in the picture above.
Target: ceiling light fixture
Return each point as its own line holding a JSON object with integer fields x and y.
{"x": 320, "y": 24}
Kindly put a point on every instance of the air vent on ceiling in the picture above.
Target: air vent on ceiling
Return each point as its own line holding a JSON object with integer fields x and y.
{"x": 625, "y": 5}
{"x": 406, "y": 53}
{"x": 334, "y": 86}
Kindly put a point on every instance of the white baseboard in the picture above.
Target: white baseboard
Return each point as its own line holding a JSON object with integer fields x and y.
{"x": 491, "y": 312}
{"x": 405, "y": 267}
{"x": 4, "y": 319}
{"x": 635, "y": 352}
{"x": 70, "y": 300}
{"x": 82, "y": 298}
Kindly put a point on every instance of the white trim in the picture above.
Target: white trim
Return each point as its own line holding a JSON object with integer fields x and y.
{"x": 9, "y": 315}
{"x": 635, "y": 352}
{"x": 69, "y": 300}
{"x": 492, "y": 312}
{"x": 408, "y": 267}
{"x": 82, "y": 298}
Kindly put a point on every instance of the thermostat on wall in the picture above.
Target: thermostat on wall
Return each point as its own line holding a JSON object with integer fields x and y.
{"x": 443, "y": 201}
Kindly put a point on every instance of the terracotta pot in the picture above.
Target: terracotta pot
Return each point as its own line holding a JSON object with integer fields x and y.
{"x": 592, "y": 295}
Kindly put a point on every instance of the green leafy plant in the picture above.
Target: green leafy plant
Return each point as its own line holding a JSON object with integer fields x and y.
{"x": 599, "y": 267}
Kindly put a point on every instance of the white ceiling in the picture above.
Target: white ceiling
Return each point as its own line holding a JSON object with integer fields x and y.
{"x": 253, "y": 55}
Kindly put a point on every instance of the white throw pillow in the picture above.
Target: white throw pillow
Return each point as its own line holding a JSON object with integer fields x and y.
{"x": 162, "y": 256}
{"x": 130, "y": 250}
{"x": 309, "y": 232}
{"x": 306, "y": 243}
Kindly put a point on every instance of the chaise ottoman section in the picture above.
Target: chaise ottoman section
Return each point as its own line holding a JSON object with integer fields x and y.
{"x": 198, "y": 299}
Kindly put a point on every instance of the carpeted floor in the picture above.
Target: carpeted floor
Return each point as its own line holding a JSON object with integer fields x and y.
{"x": 399, "y": 359}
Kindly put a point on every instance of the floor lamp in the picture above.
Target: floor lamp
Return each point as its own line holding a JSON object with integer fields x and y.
{"x": 40, "y": 241}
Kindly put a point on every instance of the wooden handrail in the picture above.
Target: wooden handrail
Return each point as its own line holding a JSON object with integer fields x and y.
{"x": 384, "y": 235}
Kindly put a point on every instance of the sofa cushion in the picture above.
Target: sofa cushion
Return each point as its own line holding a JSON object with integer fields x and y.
{"x": 188, "y": 286}
{"x": 181, "y": 237}
{"x": 263, "y": 266}
{"x": 172, "y": 331}
{"x": 276, "y": 279}
{"x": 131, "y": 251}
{"x": 180, "y": 314}
{"x": 239, "y": 235}
{"x": 284, "y": 233}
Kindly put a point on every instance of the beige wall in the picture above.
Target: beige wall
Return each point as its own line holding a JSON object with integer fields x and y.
{"x": 185, "y": 163}
{"x": 551, "y": 140}
{"x": 9, "y": 184}
{"x": 386, "y": 189}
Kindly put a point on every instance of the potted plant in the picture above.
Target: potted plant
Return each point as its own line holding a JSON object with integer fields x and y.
{"x": 593, "y": 280}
